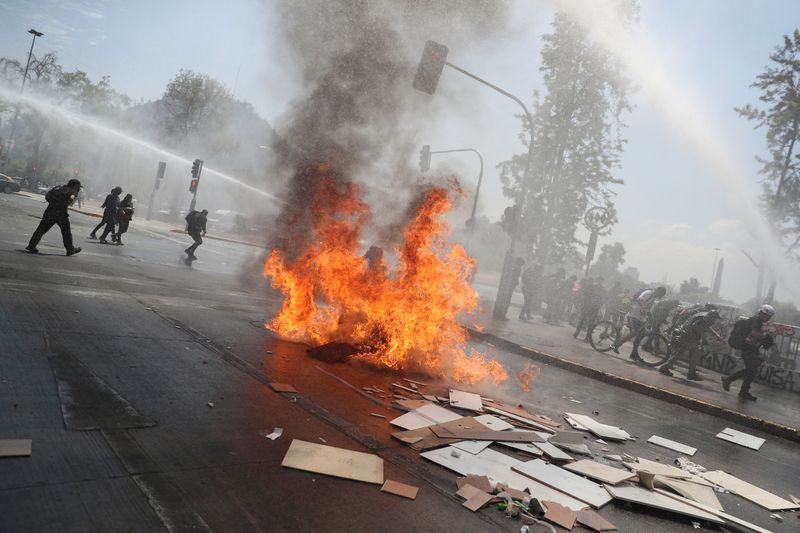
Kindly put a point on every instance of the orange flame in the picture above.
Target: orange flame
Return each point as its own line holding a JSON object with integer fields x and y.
{"x": 403, "y": 320}
{"x": 527, "y": 375}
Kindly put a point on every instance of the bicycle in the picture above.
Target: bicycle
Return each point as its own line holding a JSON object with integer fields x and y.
{"x": 653, "y": 348}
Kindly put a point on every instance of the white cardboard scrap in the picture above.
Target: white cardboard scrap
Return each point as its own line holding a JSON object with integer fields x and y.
{"x": 492, "y": 422}
{"x": 748, "y": 491}
{"x": 424, "y": 416}
{"x": 672, "y": 445}
{"x": 742, "y": 439}
{"x": 604, "y": 431}
{"x": 576, "y": 486}
{"x": 332, "y": 461}
{"x": 723, "y": 515}
{"x": 632, "y": 493}
{"x": 472, "y": 446}
{"x": 465, "y": 400}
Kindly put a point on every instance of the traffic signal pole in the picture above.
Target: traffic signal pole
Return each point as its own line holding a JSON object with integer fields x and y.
{"x": 197, "y": 169}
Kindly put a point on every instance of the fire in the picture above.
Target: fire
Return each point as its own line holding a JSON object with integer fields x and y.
{"x": 403, "y": 318}
{"x": 527, "y": 375}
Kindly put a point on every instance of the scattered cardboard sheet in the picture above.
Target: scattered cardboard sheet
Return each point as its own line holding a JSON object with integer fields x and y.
{"x": 742, "y": 439}
{"x": 521, "y": 412}
{"x": 521, "y": 419}
{"x": 757, "y": 495}
{"x": 477, "y": 501}
{"x": 15, "y": 447}
{"x": 430, "y": 397}
{"x": 282, "y": 387}
{"x": 600, "y": 472}
{"x": 725, "y": 516}
{"x": 332, "y": 461}
{"x": 672, "y": 445}
{"x": 527, "y": 447}
{"x": 560, "y": 515}
{"x": 412, "y": 404}
{"x": 594, "y": 521}
{"x": 657, "y": 468}
{"x": 472, "y": 446}
{"x": 425, "y": 439}
{"x": 574, "y": 424}
{"x": 400, "y": 489}
{"x": 576, "y": 486}
{"x": 465, "y": 400}
{"x": 570, "y": 440}
{"x": 425, "y": 416}
{"x": 497, "y": 467}
{"x": 467, "y": 491}
{"x": 485, "y": 434}
{"x": 479, "y": 482}
{"x": 634, "y": 494}
{"x": 403, "y": 387}
{"x": 492, "y": 422}
{"x": 553, "y": 452}
{"x": 275, "y": 434}
{"x": 692, "y": 491}
{"x": 604, "y": 431}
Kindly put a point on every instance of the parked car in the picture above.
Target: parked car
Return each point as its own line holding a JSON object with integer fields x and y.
{"x": 8, "y": 184}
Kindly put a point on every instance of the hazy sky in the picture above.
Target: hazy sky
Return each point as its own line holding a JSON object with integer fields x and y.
{"x": 672, "y": 211}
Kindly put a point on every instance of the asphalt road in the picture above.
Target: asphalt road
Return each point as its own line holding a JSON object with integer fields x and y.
{"x": 110, "y": 360}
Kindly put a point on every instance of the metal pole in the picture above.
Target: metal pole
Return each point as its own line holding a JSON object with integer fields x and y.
{"x": 505, "y": 290}
{"x": 162, "y": 167}
{"x": 480, "y": 175}
{"x": 714, "y": 267}
{"x": 22, "y": 90}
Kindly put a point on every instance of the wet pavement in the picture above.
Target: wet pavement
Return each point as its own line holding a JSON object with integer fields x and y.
{"x": 144, "y": 386}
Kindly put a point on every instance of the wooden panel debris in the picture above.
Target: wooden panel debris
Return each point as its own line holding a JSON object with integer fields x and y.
{"x": 477, "y": 499}
{"x": 282, "y": 387}
{"x": 412, "y": 404}
{"x": 15, "y": 447}
{"x": 332, "y": 461}
{"x": 479, "y": 482}
{"x": 570, "y": 440}
{"x": 567, "y": 482}
{"x": 634, "y": 494}
{"x": 600, "y": 472}
{"x": 672, "y": 445}
{"x": 425, "y": 416}
{"x": 560, "y": 515}
{"x": 748, "y": 491}
{"x": 472, "y": 446}
{"x": 740, "y": 438}
{"x": 521, "y": 419}
{"x": 725, "y": 516}
{"x": 400, "y": 489}
{"x": 688, "y": 489}
{"x": 402, "y": 387}
{"x": 485, "y": 434}
{"x": 657, "y": 468}
{"x": 604, "y": 431}
{"x": 492, "y": 422}
{"x": 465, "y": 400}
{"x": 594, "y": 521}
{"x": 521, "y": 412}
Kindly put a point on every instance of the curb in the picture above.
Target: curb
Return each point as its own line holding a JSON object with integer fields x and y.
{"x": 87, "y": 213}
{"x": 767, "y": 426}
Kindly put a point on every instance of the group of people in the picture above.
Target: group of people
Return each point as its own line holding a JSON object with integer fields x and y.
{"x": 117, "y": 216}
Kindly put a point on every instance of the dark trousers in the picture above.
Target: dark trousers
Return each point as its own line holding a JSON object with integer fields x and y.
{"x": 122, "y": 228}
{"x": 197, "y": 242}
{"x": 752, "y": 362}
{"x": 678, "y": 351}
{"x": 588, "y": 318}
{"x": 528, "y": 296}
{"x": 100, "y": 225}
{"x": 47, "y": 223}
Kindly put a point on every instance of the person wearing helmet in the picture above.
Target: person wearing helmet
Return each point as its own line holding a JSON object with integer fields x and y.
{"x": 754, "y": 338}
{"x": 687, "y": 340}
{"x": 58, "y": 200}
{"x": 637, "y": 319}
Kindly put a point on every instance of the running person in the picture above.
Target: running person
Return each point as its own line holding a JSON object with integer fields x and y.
{"x": 195, "y": 225}
{"x": 687, "y": 339}
{"x": 637, "y": 320}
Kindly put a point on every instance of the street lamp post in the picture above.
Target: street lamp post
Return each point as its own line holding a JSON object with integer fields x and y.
{"x": 471, "y": 221}
{"x": 22, "y": 89}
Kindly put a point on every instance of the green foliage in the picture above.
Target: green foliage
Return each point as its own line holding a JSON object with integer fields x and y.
{"x": 192, "y": 101}
{"x": 611, "y": 257}
{"x": 577, "y": 127}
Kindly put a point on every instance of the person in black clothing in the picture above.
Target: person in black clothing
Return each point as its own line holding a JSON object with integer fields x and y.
{"x": 195, "y": 225}
{"x": 755, "y": 340}
{"x": 687, "y": 339}
{"x": 110, "y": 206}
{"x": 591, "y": 300}
{"x": 530, "y": 282}
{"x": 124, "y": 217}
{"x": 58, "y": 200}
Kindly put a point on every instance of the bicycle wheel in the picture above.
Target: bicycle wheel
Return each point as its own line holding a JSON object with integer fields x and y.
{"x": 603, "y": 336}
{"x": 654, "y": 349}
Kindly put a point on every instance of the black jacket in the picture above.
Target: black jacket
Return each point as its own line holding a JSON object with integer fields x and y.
{"x": 58, "y": 198}
{"x": 111, "y": 205}
{"x": 195, "y": 222}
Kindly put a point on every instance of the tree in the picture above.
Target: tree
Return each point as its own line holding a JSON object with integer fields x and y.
{"x": 578, "y": 142}
{"x": 611, "y": 257}
{"x": 780, "y": 117}
{"x": 191, "y": 100}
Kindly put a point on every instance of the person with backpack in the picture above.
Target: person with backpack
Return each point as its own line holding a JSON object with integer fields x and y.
{"x": 124, "y": 217}
{"x": 110, "y": 206}
{"x": 195, "y": 225}
{"x": 58, "y": 198}
{"x": 637, "y": 319}
{"x": 687, "y": 339}
{"x": 748, "y": 337}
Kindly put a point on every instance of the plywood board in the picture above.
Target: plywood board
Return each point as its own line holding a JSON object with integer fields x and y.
{"x": 485, "y": 434}
{"x": 332, "y": 461}
{"x": 479, "y": 482}
{"x": 553, "y": 452}
{"x": 425, "y": 416}
{"x": 465, "y": 400}
{"x": 422, "y": 439}
{"x": 757, "y": 495}
{"x": 412, "y": 404}
{"x": 634, "y": 494}
{"x": 560, "y": 515}
{"x": 472, "y": 446}
{"x": 725, "y": 516}
{"x": 15, "y": 447}
{"x": 604, "y": 431}
{"x": 594, "y": 521}
{"x": 400, "y": 489}
{"x": 742, "y": 439}
{"x": 497, "y": 467}
{"x": 477, "y": 501}
{"x": 572, "y": 441}
{"x": 492, "y": 422}
{"x": 467, "y": 491}
{"x": 693, "y": 491}
{"x": 600, "y": 472}
{"x": 527, "y": 447}
{"x": 518, "y": 418}
{"x": 657, "y": 468}
{"x": 672, "y": 445}
{"x": 576, "y": 486}
{"x": 282, "y": 387}
{"x": 521, "y": 412}
{"x": 574, "y": 424}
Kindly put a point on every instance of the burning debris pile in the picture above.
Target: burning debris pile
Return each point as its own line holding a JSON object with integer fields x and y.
{"x": 402, "y": 317}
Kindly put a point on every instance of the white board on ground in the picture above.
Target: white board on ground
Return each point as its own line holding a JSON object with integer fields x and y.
{"x": 518, "y": 418}
{"x": 757, "y": 495}
{"x": 576, "y": 486}
{"x": 465, "y": 400}
{"x": 598, "y": 471}
{"x": 424, "y": 416}
{"x": 725, "y": 516}
{"x": 492, "y": 422}
{"x": 740, "y": 438}
{"x": 604, "y": 431}
{"x": 497, "y": 467}
{"x": 332, "y": 461}
{"x": 692, "y": 491}
{"x": 537, "y": 448}
{"x": 634, "y": 494}
{"x": 472, "y": 446}
{"x": 672, "y": 445}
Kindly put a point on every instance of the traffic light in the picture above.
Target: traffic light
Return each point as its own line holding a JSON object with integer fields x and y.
{"x": 196, "y": 168}
{"x": 193, "y": 184}
{"x": 425, "y": 158}
{"x": 430, "y": 67}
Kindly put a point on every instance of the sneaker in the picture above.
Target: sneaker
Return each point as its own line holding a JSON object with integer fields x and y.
{"x": 747, "y": 396}
{"x": 31, "y": 250}
{"x": 103, "y": 241}
{"x": 93, "y": 236}
{"x": 726, "y": 384}
{"x": 693, "y": 377}
{"x": 74, "y": 251}
{"x": 666, "y": 371}
{"x": 634, "y": 356}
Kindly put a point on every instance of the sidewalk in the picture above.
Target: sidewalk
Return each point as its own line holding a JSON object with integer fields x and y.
{"x": 776, "y": 411}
